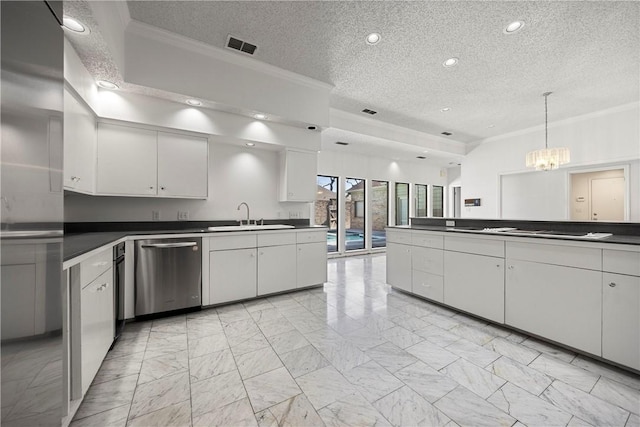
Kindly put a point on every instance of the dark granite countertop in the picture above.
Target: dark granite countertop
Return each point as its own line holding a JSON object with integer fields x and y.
{"x": 622, "y": 233}
{"x": 80, "y": 242}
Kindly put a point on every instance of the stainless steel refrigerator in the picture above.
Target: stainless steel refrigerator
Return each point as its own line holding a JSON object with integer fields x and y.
{"x": 32, "y": 214}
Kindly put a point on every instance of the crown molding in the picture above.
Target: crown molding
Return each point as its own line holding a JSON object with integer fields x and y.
{"x": 145, "y": 30}
{"x": 570, "y": 120}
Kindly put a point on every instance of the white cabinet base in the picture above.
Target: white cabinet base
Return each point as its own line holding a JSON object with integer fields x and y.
{"x": 563, "y": 304}
{"x": 232, "y": 275}
{"x": 621, "y": 319}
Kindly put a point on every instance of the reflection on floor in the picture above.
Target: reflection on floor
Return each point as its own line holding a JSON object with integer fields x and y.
{"x": 353, "y": 353}
{"x": 32, "y": 382}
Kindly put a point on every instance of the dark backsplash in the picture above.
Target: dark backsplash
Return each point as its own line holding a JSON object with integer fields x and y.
{"x": 619, "y": 228}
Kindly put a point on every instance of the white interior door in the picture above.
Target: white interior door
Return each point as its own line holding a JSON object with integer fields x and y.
{"x": 607, "y": 199}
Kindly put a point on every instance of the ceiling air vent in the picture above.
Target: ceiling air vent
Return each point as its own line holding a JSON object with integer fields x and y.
{"x": 447, "y": 133}
{"x": 368, "y": 111}
{"x": 237, "y": 44}
{"x": 342, "y": 143}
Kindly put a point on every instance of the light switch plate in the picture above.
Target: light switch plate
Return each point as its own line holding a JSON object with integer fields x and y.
{"x": 155, "y": 215}
{"x": 183, "y": 215}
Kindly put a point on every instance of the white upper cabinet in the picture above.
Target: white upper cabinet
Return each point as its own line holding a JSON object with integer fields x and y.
{"x": 127, "y": 160}
{"x": 80, "y": 140}
{"x": 298, "y": 170}
{"x": 182, "y": 166}
{"x": 142, "y": 162}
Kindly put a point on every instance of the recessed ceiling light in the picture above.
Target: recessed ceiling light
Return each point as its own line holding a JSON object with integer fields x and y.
{"x": 369, "y": 111}
{"x": 342, "y": 143}
{"x": 450, "y": 62}
{"x": 425, "y": 151}
{"x": 74, "y": 25}
{"x": 491, "y": 126}
{"x": 446, "y": 133}
{"x": 421, "y": 157}
{"x": 373, "y": 38}
{"x": 260, "y": 116}
{"x": 445, "y": 109}
{"x": 311, "y": 127}
{"x": 250, "y": 144}
{"x": 194, "y": 102}
{"x": 513, "y": 27}
{"x": 106, "y": 84}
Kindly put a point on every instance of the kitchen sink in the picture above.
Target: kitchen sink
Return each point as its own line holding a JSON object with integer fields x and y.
{"x": 250, "y": 227}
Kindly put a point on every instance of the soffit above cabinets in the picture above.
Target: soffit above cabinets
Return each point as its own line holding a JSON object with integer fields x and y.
{"x": 587, "y": 53}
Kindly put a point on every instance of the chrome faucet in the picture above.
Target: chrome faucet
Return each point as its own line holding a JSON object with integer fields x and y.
{"x": 247, "y": 206}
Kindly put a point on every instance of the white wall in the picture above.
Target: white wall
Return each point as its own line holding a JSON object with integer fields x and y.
{"x": 606, "y": 138}
{"x": 236, "y": 174}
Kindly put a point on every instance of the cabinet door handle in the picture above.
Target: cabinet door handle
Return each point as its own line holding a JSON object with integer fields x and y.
{"x": 102, "y": 287}
{"x": 151, "y": 187}
{"x": 612, "y": 285}
{"x": 510, "y": 267}
{"x": 162, "y": 188}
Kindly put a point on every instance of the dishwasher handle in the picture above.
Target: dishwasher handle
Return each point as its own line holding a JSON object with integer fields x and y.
{"x": 170, "y": 245}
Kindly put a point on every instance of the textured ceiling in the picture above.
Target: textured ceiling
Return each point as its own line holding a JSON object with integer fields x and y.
{"x": 586, "y": 52}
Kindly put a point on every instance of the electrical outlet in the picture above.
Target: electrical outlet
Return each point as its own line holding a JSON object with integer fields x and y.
{"x": 183, "y": 215}
{"x": 294, "y": 215}
{"x": 450, "y": 223}
{"x": 155, "y": 215}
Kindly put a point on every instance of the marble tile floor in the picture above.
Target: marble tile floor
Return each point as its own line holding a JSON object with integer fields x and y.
{"x": 352, "y": 353}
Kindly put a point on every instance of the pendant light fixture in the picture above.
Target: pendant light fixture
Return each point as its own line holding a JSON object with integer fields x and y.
{"x": 547, "y": 158}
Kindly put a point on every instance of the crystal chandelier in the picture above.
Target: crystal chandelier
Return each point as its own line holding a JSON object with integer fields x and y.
{"x": 547, "y": 158}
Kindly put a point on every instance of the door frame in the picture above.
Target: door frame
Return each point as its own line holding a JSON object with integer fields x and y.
{"x": 627, "y": 193}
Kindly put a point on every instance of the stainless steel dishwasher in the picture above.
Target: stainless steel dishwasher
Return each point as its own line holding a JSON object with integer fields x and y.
{"x": 168, "y": 274}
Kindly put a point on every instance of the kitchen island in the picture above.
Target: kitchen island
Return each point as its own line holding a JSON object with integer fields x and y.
{"x": 580, "y": 292}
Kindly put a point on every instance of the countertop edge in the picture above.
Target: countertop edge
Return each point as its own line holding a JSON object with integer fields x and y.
{"x": 626, "y": 240}
{"x": 114, "y": 238}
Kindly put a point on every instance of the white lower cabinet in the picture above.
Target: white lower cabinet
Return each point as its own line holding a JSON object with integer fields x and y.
{"x": 232, "y": 275}
{"x": 428, "y": 285}
{"x": 560, "y": 303}
{"x": 96, "y": 325}
{"x": 399, "y": 266}
{"x": 276, "y": 269}
{"x": 311, "y": 265}
{"x": 475, "y": 283}
{"x": 621, "y": 319}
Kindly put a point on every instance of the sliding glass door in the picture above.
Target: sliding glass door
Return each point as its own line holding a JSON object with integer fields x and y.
{"x": 438, "y": 201}
{"x": 421, "y": 200}
{"x": 355, "y": 214}
{"x": 379, "y": 213}
{"x": 402, "y": 203}
{"x": 326, "y": 209}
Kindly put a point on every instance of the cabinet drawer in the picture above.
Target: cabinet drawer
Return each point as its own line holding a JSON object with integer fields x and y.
{"x": 623, "y": 262}
{"x": 475, "y": 246}
{"x": 428, "y": 260}
{"x": 398, "y": 236}
{"x": 235, "y": 241}
{"x": 95, "y": 266}
{"x": 569, "y": 256}
{"x": 311, "y": 236}
{"x": 419, "y": 238}
{"x": 428, "y": 285}
{"x": 276, "y": 239}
